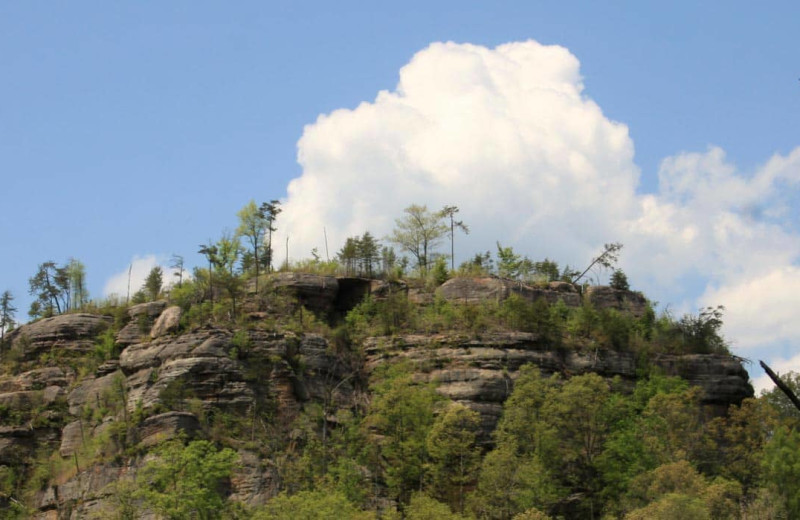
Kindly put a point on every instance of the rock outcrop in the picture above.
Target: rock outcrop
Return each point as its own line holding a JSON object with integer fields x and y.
{"x": 67, "y": 333}
{"x": 167, "y": 322}
{"x": 492, "y": 288}
{"x": 142, "y": 317}
{"x": 480, "y": 371}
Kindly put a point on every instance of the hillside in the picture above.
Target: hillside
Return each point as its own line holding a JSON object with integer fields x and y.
{"x": 358, "y": 397}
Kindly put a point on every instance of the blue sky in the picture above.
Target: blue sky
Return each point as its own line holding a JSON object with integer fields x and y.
{"x": 138, "y": 130}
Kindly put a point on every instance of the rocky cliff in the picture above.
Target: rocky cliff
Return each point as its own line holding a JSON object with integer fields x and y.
{"x": 167, "y": 382}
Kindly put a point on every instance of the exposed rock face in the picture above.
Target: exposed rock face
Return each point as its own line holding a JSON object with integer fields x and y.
{"x": 318, "y": 293}
{"x": 149, "y": 309}
{"x": 476, "y": 290}
{"x": 167, "y": 322}
{"x": 490, "y": 288}
{"x": 165, "y": 426}
{"x": 603, "y": 297}
{"x": 723, "y": 378}
{"x": 67, "y": 332}
{"x": 480, "y": 372}
{"x": 254, "y": 482}
{"x": 93, "y": 390}
{"x": 142, "y": 317}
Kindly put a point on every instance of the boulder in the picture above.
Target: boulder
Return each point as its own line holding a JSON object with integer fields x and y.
{"x": 142, "y": 317}
{"x": 167, "y": 322}
{"x": 149, "y": 309}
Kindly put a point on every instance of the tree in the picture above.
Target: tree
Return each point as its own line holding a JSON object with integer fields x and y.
{"x": 210, "y": 252}
{"x": 402, "y": 413}
{"x": 509, "y": 263}
{"x": 7, "y": 312}
{"x": 185, "y": 481}
{"x": 76, "y": 283}
{"x": 269, "y": 211}
{"x": 177, "y": 264}
{"x": 448, "y": 212}
{"x": 348, "y": 255}
{"x": 49, "y": 286}
{"x": 253, "y": 225}
{"x": 619, "y": 281}
{"x": 454, "y": 455}
{"x": 310, "y": 505}
{"x": 153, "y": 283}
{"x": 368, "y": 253}
{"x": 419, "y": 232}
{"x": 606, "y": 259}
{"x": 782, "y": 467}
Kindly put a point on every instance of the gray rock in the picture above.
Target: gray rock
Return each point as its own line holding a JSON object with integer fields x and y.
{"x": 167, "y": 322}
{"x": 480, "y": 371}
{"x": 165, "y": 426}
{"x": 69, "y": 332}
{"x": 149, "y": 309}
{"x": 317, "y": 293}
{"x": 603, "y": 297}
{"x": 72, "y": 437}
{"x": 254, "y": 481}
{"x": 491, "y": 288}
{"x": 91, "y": 391}
{"x": 36, "y": 379}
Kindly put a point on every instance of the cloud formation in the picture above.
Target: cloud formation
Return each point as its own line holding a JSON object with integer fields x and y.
{"x": 509, "y": 136}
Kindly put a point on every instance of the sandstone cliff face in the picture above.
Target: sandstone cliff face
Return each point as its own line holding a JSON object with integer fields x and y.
{"x": 67, "y": 332}
{"x": 248, "y": 371}
{"x": 480, "y": 371}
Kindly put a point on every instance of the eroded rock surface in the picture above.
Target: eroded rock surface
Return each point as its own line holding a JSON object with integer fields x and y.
{"x": 480, "y": 372}
{"x": 67, "y": 332}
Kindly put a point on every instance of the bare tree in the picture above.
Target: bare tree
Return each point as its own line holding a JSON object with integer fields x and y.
{"x": 606, "y": 259}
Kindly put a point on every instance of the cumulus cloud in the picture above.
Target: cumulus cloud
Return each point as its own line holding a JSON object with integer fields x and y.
{"x": 509, "y": 135}
{"x": 504, "y": 133}
{"x": 762, "y": 309}
{"x": 140, "y": 267}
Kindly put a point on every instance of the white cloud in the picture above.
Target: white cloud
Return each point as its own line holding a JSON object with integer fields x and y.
{"x": 762, "y": 309}
{"x": 504, "y": 133}
{"x": 509, "y": 136}
{"x": 140, "y": 267}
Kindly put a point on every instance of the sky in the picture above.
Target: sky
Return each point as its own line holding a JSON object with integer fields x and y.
{"x": 133, "y": 131}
